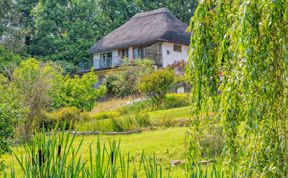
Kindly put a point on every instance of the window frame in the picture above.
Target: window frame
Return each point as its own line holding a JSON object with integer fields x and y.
{"x": 177, "y": 48}
{"x": 138, "y": 53}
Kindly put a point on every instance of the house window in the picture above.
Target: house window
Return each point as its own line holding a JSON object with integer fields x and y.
{"x": 138, "y": 53}
{"x": 177, "y": 48}
{"x": 105, "y": 56}
{"x": 123, "y": 53}
{"x": 106, "y": 59}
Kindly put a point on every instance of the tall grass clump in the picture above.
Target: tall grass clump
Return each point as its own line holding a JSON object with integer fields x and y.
{"x": 58, "y": 155}
{"x": 55, "y": 155}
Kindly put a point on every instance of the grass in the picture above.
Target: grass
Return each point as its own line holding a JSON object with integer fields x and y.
{"x": 112, "y": 104}
{"x": 170, "y": 148}
{"x": 157, "y": 118}
{"x": 175, "y": 113}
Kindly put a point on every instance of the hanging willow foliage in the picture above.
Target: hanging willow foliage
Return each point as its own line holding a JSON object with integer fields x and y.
{"x": 247, "y": 41}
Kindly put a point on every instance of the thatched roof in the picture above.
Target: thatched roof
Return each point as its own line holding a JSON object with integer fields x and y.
{"x": 145, "y": 29}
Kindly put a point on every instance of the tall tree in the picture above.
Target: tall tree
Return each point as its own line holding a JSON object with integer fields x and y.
{"x": 66, "y": 29}
{"x": 10, "y": 30}
{"x": 183, "y": 9}
{"x": 247, "y": 41}
{"x": 8, "y": 61}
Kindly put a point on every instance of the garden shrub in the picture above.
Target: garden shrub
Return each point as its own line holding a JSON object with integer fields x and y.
{"x": 136, "y": 121}
{"x": 124, "y": 81}
{"x": 35, "y": 81}
{"x": 95, "y": 125}
{"x": 77, "y": 91}
{"x": 85, "y": 116}
{"x": 8, "y": 61}
{"x": 46, "y": 122}
{"x": 12, "y": 112}
{"x": 156, "y": 84}
{"x": 170, "y": 122}
{"x": 183, "y": 122}
{"x": 66, "y": 116}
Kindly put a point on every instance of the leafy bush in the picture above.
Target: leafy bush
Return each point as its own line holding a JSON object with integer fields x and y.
{"x": 178, "y": 66}
{"x": 157, "y": 84}
{"x": 124, "y": 81}
{"x": 12, "y": 111}
{"x": 68, "y": 67}
{"x": 78, "y": 92}
{"x": 66, "y": 116}
{"x": 84, "y": 117}
{"x": 35, "y": 81}
{"x": 176, "y": 100}
{"x": 8, "y": 61}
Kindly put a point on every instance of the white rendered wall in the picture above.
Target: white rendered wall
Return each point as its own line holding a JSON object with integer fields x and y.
{"x": 173, "y": 55}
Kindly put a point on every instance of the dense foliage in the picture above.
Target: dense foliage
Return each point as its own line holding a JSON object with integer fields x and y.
{"x": 42, "y": 88}
{"x": 157, "y": 84}
{"x": 124, "y": 81}
{"x": 8, "y": 61}
{"x": 247, "y": 40}
{"x": 35, "y": 81}
{"x": 77, "y": 91}
{"x": 12, "y": 112}
{"x": 65, "y": 30}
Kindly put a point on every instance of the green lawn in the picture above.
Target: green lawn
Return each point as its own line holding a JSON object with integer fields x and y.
{"x": 167, "y": 144}
{"x": 175, "y": 113}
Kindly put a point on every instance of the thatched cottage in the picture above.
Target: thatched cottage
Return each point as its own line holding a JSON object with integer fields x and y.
{"x": 156, "y": 35}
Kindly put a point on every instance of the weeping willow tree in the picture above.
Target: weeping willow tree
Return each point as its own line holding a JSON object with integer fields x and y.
{"x": 246, "y": 41}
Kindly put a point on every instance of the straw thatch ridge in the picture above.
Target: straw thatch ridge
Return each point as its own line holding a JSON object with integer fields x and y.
{"x": 145, "y": 29}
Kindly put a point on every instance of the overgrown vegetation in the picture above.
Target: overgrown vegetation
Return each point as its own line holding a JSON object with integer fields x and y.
{"x": 58, "y": 155}
{"x": 140, "y": 115}
{"x": 157, "y": 84}
{"x": 125, "y": 80}
{"x": 77, "y": 91}
{"x": 41, "y": 87}
{"x": 237, "y": 111}
{"x": 64, "y": 30}
{"x": 12, "y": 111}
{"x": 247, "y": 41}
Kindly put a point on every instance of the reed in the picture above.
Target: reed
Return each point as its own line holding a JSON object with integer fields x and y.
{"x": 57, "y": 155}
